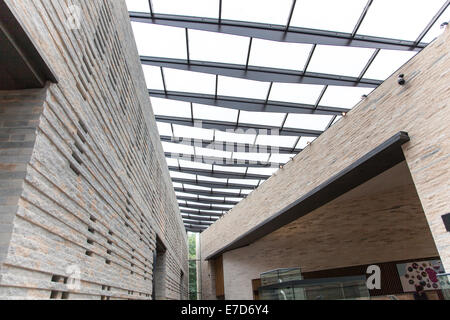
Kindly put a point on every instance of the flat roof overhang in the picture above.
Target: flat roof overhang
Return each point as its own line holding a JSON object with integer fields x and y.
{"x": 380, "y": 159}
{"x": 22, "y": 66}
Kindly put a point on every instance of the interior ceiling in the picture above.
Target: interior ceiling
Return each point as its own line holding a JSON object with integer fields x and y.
{"x": 238, "y": 87}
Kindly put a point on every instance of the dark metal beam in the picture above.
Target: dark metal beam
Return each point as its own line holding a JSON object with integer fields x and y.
{"x": 201, "y": 212}
{"x": 224, "y": 162}
{"x": 199, "y": 218}
{"x": 194, "y": 230}
{"x": 224, "y": 126}
{"x": 219, "y": 173}
{"x": 211, "y": 193}
{"x": 207, "y": 201}
{"x": 229, "y": 146}
{"x": 277, "y": 32}
{"x": 211, "y": 184}
{"x": 432, "y": 22}
{"x": 200, "y": 207}
{"x": 197, "y": 223}
{"x": 361, "y": 18}
{"x": 245, "y": 104}
{"x": 259, "y": 73}
{"x": 195, "y": 227}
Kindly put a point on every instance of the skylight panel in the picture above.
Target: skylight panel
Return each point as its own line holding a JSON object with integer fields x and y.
{"x": 183, "y": 194}
{"x": 332, "y": 15}
{"x": 281, "y": 158}
{"x": 225, "y": 206}
{"x": 304, "y": 141}
{"x": 164, "y": 129}
{"x": 337, "y": 119}
{"x": 233, "y": 199}
{"x": 262, "y": 11}
{"x": 344, "y": 61}
{"x": 226, "y": 190}
{"x": 195, "y": 8}
{"x": 276, "y": 141}
{"x": 138, "y": 5}
{"x": 153, "y": 77}
{"x": 308, "y": 121}
{"x": 211, "y": 179}
{"x": 296, "y": 93}
{"x": 177, "y": 148}
{"x": 239, "y": 136}
{"x": 387, "y": 62}
{"x": 206, "y": 112}
{"x": 182, "y": 175}
{"x": 172, "y": 162}
{"x": 246, "y": 192}
{"x": 252, "y": 156}
{"x": 436, "y": 29}
{"x": 262, "y": 118}
{"x": 192, "y": 132}
{"x": 212, "y": 153}
{"x": 249, "y": 182}
{"x": 282, "y": 55}
{"x": 230, "y": 169}
{"x": 160, "y": 41}
{"x": 195, "y": 165}
{"x": 399, "y": 19}
{"x": 194, "y": 187}
{"x": 343, "y": 97}
{"x": 198, "y": 204}
{"x": 210, "y": 198}
{"x": 263, "y": 171}
{"x": 243, "y": 88}
{"x": 177, "y": 185}
{"x": 166, "y": 107}
{"x": 218, "y": 47}
{"x": 188, "y": 81}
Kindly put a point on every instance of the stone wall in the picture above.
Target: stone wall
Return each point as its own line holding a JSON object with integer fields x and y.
{"x": 97, "y": 192}
{"x": 379, "y": 221}
{"x": 420, "y": 107}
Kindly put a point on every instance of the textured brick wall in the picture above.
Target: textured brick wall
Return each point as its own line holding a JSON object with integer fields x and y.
{"x": 96, "y": 192}
{"x": 380, "y": 221}
{"x": 19, "y": 113}
{"x": 420, "y": 108}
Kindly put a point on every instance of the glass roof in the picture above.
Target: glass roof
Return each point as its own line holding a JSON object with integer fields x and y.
{"x": 217, "y": 94}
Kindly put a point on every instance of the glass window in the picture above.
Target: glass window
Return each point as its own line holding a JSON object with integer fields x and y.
{"x": 164, "y": 129}
{"x": 206, "y": 112}
{"x": 166, "y": 107}
{"x": 212, "y": 153}
{"x": 399, "y": 19}
{"x": 436, "y": 29}
{"x": 237, "y": 136}
{"x": 262, "y": 118}
{"x": 137, "y": 5}
{"x": 232, "y": 169}
{"x": 251, "y": 156}
{"x": 192, "y": 132}
{"x": 159, "y": 41}
{"x": 308, "y": 121}
{"x": 296, "y": 93}
{"x": 218, "y": 47}
{"x": 263, "y": 11}
{"x": 282, "y": 55}
{"x": 195, "y": 165}
{"x": 304, "y": 141}
{"x": 343, "y": 97}
{"x": 153, "y": 77}
{"x": 188, "y": 81}
{"x": 344, "y": 61}
{"x": 196, "y": 8}
{"x": 276, "y": 140}
{"x": 387, "y": 62}
{"x": 243, "y": 88}
{"x": 177, "y": 148}
{"x": 332, "y": 15}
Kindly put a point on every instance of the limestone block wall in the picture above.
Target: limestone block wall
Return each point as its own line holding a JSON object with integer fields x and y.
{"x": 97, "y": 192}
{"x": 420, "y": 107}
{"x": 380, "y": 221}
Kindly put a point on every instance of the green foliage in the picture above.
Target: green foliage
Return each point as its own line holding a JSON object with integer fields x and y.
{"x": 192, "y": 267}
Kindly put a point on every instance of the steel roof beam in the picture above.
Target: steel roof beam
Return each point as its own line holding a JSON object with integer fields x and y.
{"x": 199, "y": 218}
{"x": 224, "y": 162}
{"x": 224, "y": 126}
{"x": 207, "y": 201}
{"x": 201, "y": 212}
{"x": 220, "y": 173}
{"x": 211, "y": 184}
{"x": 245, "y": 104}
{"x": 229, "y": 146}
{"x": 277, "y": 32}
{"x": 200, "y": 207}
{"x": 211, "y": 193}
{"x": 259, "y": 73}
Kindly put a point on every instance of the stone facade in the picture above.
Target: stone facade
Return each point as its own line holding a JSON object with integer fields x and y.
{"x": 88, "y": 192}
{"x": 420, "y": 107}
